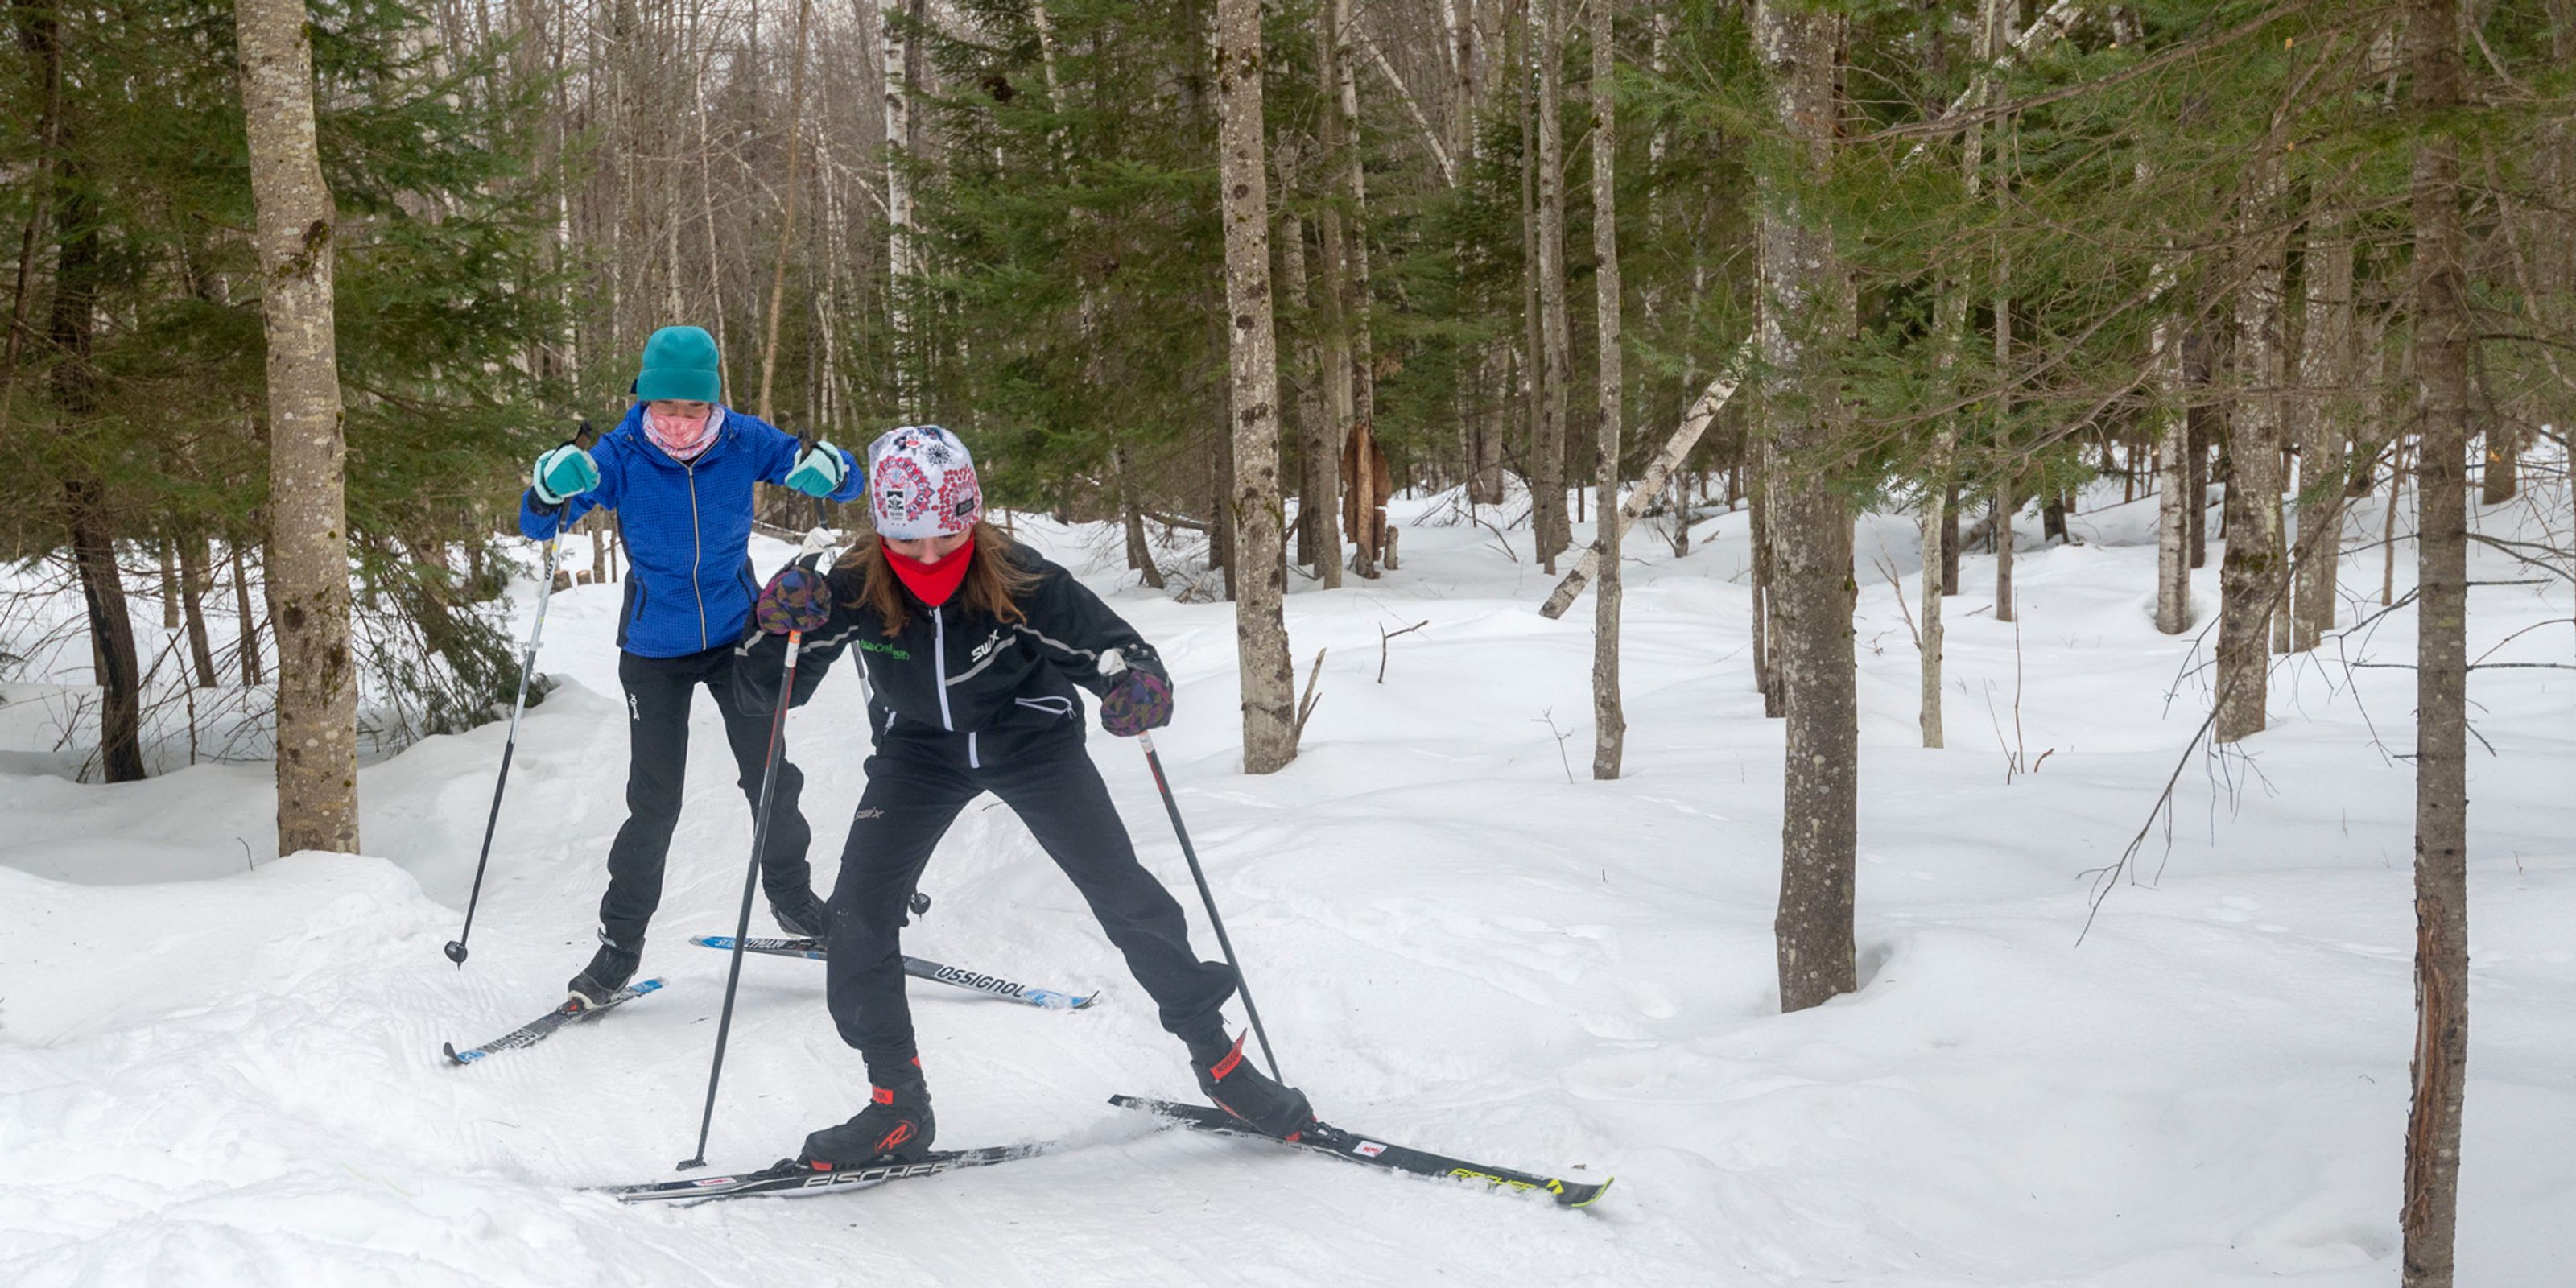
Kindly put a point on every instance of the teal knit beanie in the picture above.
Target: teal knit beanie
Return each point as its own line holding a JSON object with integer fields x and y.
{"x": 680, "y": 364}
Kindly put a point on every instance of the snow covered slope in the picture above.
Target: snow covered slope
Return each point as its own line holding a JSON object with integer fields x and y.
{"x": 214, "y": 1071}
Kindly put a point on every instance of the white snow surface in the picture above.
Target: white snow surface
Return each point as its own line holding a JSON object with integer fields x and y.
{"x": 219, "y": 1068}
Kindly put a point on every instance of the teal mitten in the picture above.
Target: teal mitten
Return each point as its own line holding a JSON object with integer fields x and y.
{"x": 563, "y": 473}
{"x": 819, "y": 471}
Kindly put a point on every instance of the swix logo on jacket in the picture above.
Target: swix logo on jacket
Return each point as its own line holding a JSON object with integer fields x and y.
{"x": 951, "y": 672}
{"x": 687, "y": 527}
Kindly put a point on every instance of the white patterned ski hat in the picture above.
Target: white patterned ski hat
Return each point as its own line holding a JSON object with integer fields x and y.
{"x": 921, "y": 483}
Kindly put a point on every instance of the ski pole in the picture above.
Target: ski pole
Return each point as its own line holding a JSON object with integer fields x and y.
{"x": 1198, "y": 874}
{"x": 581, "y": 438}
{"x": 803, "y": 616}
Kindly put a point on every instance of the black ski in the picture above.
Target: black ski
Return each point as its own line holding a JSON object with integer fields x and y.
{"x": 1324, "y": 1138}
{"x": 919, "y": 968}
{"x": 543, "y": 1027}
{"x": 789, "y": 1177}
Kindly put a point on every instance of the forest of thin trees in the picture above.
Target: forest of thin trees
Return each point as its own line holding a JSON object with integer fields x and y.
{"x": 1228, "y": 273}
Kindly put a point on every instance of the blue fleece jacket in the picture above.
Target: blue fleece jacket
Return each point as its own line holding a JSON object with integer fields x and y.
{"x": 687, "y": 527}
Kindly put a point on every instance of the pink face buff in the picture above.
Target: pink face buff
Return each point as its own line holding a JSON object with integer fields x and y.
{"x": 684, "y": 437}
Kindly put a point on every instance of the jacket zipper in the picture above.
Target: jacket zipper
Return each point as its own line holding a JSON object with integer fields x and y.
{"x": 697, "y": 552}
{"x": 939, "y": 666}
{"x": 973, "y": 760}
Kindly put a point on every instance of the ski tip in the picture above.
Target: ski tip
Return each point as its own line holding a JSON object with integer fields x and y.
{"x": 1083, "y": 1002}
{"x": 712, "y": 941}
{"x": 647, "y": 986}
{"x": 1584, "y": 1196}
{"x": 455, "y": 1056}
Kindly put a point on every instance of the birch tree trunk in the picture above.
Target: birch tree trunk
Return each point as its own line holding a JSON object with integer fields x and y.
{"x": 2250, "y": 574}
{"x": 2441, "y": 307}
{"x": 308, "y": 562}
{"x": 787, "y": 219}
{"x": 2327, "y": 370}
{"x": 2175, "y": 497}
{"x": 1939, "y": 522}
{"x": 1533, "y": 339}
{"x": 1333, "y": 356}
{"x": 1361, "y": 355}
{"x": 1547, "y": 463}
{"x": 1797, "y": 44}
{"x": 1259, "y": 570}
{"x": 1703, "y": 412}
{"x": 900, "y": 270}
{"x": 1610, "y": 724}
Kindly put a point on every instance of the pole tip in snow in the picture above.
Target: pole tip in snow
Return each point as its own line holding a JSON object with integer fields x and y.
{"x": 456, "y": 952}
{"x": 688, "y": 1163}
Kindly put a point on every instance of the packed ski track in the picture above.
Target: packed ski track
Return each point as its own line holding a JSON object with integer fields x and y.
{"x": 220, "y": 1068}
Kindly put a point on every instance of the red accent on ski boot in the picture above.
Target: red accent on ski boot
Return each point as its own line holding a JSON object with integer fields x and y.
{"x": 896, "y": 1125}
{"x": 1252, "y": 1097}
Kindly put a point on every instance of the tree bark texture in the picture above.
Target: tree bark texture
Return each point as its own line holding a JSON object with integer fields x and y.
{"x": 308, "y": 561}
{"x": 2175, "y": 498}
{"x": 1547, "y": 455}
{"x": 900, "y": 251}
{"x": 2329, "y": 366}
{"x": 1797, "y": 44}
{"x": 2430, "y": 1215}
{"x": 2205, "y": 425}
{"x": 1260, "y": 569}
{"x": 1759, "y": 529}
{"x": 2250, "y": 575}
{"x": 1610, "y": 723}
{"x": 1702, "y": 414}
{"x": 1360, "y": 352}
{"x": 787, "y": 215}
{"x": 1318, "y": 537}
{"x": 195, "y": 579}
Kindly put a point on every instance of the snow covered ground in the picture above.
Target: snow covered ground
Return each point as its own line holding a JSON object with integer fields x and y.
{"x": 219, "y": 1068}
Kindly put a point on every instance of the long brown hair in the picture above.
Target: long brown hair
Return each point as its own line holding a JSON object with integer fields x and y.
{"x": 993, "y": 586}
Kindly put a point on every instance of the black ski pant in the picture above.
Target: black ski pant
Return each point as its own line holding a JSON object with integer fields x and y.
{"x": 916, "y": 787}
{"x": 658, "y": 693}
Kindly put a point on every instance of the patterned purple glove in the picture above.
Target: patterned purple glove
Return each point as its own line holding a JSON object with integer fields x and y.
{"x": 797, "y": 599}
{"x": 1140, "y": 701}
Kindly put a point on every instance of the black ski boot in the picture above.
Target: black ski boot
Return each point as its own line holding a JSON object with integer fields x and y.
{"x": 802, "y": 917}
{"x": 897, "y": 1125}
{"x": 1233, "y": 1085}
{"x": 608, "y": 971}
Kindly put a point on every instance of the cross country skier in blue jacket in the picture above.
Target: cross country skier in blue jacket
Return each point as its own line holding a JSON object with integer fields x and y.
{"x": 679, "y": 471}
{"x": 976, "y": 645}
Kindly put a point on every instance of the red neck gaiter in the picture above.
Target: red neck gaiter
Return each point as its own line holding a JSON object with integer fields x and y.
{"x": 933, "y": 583}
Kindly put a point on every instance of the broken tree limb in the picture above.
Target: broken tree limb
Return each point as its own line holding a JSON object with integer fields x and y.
{"x": 1703, "y": 413}
{"x": 2054, "y": 23}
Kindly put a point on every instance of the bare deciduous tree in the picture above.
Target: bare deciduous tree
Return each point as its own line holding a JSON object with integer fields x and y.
{"x": 1259, "y": 568}
{"x": 308, "y": 563}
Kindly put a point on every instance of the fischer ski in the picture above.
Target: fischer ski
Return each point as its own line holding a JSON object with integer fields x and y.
{"x": 1323, "y": 1138}
{"x": 920, "y": 968}
{"x": 791, "y": 1178}
{"x": 543, "y": 1027}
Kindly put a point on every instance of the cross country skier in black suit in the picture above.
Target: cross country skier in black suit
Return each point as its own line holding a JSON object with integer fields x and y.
{"x": 975, "y": 644}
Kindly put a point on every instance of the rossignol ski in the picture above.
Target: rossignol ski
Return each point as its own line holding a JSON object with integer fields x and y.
{"x": 1323, "y": 1138}
{"x": 543, "y": 1027}
{"x": 919, "y": 968}
{"x": 788, "y": 1177}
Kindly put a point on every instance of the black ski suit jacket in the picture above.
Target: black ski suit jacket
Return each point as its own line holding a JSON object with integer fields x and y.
{"x": 952, "y": 673}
